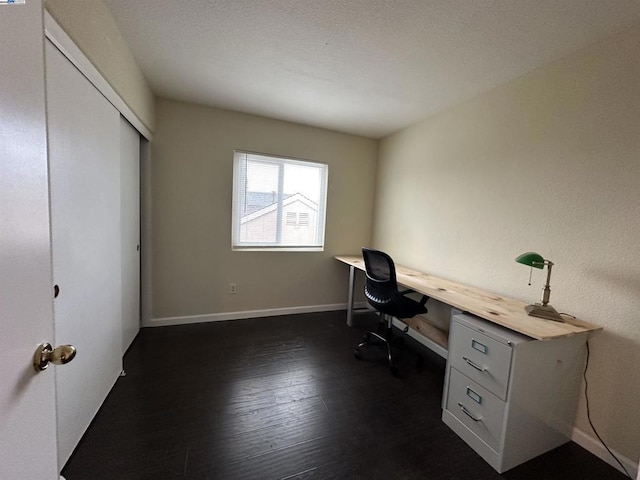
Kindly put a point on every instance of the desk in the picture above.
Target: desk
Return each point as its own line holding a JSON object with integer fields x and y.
{"x": 500, "y": 310}
{"x": 512, "y": 381}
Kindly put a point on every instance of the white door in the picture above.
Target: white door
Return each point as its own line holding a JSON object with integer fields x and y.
{"x": 84, "y": 162}
{"x": 27, "y": 398}
{"x": 130, "y": 214}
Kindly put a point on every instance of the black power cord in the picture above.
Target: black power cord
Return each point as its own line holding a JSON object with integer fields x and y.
{"x": 586, "y": 396}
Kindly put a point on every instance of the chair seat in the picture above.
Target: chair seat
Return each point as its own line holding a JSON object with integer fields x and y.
{"x": 401, "y": 307}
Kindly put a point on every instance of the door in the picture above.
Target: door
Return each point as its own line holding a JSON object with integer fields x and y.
{"x": 130, "y": 214}
{"x": 84, "y": 162}
{"x": 27, "y": 398}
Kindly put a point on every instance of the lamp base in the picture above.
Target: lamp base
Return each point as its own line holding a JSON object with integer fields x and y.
{"x": 543, "y": 311}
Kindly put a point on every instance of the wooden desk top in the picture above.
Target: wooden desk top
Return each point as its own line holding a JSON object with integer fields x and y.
{"x": 492, "y": 307}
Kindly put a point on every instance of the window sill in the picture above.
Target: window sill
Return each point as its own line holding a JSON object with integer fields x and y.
{"x": 277, "y": 249}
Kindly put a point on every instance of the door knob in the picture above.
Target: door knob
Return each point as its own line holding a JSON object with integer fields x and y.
{"x": 45, "y": 353}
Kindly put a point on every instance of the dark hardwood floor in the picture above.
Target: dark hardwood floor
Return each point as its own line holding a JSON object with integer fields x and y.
{"x": 284, "y": 398}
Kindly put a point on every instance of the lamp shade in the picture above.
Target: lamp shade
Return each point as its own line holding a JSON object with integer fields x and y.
{"x": 531, "y": 259}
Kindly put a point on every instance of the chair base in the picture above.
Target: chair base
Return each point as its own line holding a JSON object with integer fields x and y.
{"x": 379, "y": 341}
{"x": 382, "y": 342}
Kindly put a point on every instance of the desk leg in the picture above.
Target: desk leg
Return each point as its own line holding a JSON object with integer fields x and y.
{"x": 352, "y": 281}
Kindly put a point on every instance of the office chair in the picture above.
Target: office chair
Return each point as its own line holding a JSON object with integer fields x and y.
{"x": 382, "y": 294}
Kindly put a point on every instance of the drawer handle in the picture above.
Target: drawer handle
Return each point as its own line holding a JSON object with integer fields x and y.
{"x": 474, "y": 365}
{"x": 468, "y": 413}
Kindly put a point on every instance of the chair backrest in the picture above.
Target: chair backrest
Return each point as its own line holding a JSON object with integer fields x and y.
{"x": 381, "y": 287}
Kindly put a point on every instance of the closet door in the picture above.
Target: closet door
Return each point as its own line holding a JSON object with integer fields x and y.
{"x": 130, "y": 214}
{"x": 84, "y": 163}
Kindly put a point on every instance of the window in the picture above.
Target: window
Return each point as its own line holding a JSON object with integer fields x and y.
{"x": 278, "y": 203}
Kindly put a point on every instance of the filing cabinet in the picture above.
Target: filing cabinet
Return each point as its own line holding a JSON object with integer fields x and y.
{"x": 510, "y": 397}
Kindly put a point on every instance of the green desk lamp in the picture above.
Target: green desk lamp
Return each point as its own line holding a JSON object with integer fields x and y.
{"x": 542, "y": 310}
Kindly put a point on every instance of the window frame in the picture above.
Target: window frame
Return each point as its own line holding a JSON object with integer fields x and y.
{"x": 239, "y": 196}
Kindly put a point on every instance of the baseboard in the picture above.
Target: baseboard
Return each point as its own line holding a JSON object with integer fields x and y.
{"x": 218, "y": 317}
{"x": 594, "y": 446}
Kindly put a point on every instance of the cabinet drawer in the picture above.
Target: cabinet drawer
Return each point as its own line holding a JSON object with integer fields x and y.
{"x": 477, "y": 408}
{"x": 481, "y": 358}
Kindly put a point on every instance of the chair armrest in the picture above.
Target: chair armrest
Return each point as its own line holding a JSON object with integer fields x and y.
{"x": 423, "y": 300}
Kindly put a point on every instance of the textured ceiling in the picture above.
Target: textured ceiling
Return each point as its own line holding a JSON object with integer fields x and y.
{"x": 368, "y": 67}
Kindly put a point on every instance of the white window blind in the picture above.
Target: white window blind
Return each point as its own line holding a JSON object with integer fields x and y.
{"x": 278, "y": 203}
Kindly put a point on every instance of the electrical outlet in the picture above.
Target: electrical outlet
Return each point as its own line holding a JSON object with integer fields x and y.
{"x": 233, "y": 288}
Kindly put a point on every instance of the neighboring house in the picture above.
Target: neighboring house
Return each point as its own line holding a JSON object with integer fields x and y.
{"x": 299, "y": 219}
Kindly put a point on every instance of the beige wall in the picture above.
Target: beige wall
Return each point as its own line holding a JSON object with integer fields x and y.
{"x": 192, "y": 189}
{"x": 91, "y": 26}
{"x": 550, "y": 163}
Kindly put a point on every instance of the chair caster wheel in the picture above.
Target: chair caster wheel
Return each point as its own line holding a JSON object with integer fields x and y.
{"x": 356, "y": 354}
{"x": 365, "y": 337}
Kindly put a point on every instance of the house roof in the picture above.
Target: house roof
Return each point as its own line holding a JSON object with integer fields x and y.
{"x": 288, "y": 200}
